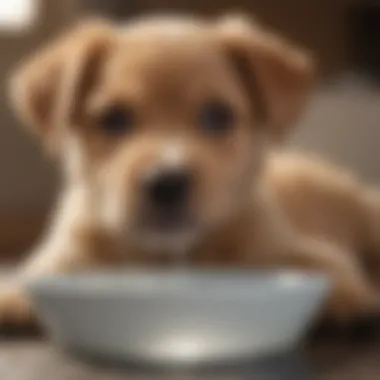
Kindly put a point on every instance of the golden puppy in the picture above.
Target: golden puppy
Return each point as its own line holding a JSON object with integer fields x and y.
{"x": 164, "y": 129}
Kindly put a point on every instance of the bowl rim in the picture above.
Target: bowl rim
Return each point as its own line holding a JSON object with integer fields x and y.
{"x": 182, "y": 283}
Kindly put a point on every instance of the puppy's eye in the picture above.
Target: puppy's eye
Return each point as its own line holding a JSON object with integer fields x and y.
{"x": 216, "y": 117}
{"x": 116, "y": 121}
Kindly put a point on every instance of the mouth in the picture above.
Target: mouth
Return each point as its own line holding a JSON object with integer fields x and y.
{"x": 172, "y": 233}
{"x": 169, "y": 222}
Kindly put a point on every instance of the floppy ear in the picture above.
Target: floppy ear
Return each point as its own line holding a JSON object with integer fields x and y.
{"x": 277, "y": 75}
{"x": 46, "y": 88}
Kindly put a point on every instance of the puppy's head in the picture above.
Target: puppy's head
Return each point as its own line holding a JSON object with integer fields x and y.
{"x": 165, "y": 120}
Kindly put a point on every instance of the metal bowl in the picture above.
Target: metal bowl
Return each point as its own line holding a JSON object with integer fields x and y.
{"x": 180, "y": 316}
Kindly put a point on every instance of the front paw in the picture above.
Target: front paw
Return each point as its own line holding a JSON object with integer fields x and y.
{"x": 16, "y": 313}
{"x": 350, "y": 315}
{"x": 351, "y": 304}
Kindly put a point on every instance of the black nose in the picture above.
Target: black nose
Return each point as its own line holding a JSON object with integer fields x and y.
{"x": 168, "y": 189}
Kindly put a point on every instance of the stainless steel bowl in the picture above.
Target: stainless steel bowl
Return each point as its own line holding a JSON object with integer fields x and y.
{"x": 179, "y": 317}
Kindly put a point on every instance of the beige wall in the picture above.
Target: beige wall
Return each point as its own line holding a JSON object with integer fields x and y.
{"x": 343, "y": 124}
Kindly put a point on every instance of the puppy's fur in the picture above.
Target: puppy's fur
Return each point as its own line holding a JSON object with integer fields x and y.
{"x": 250, "y": 205}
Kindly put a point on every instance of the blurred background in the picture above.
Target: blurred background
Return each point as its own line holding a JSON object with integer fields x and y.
{"x": 342, "y": 121}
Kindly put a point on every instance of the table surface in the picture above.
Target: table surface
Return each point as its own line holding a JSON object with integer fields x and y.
{"x": 31, "y": 359}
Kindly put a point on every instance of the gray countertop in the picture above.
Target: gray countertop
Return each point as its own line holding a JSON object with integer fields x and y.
{"x": 36, "y": 359}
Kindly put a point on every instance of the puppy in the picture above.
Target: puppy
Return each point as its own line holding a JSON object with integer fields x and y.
{"x": 165, "y": 129}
